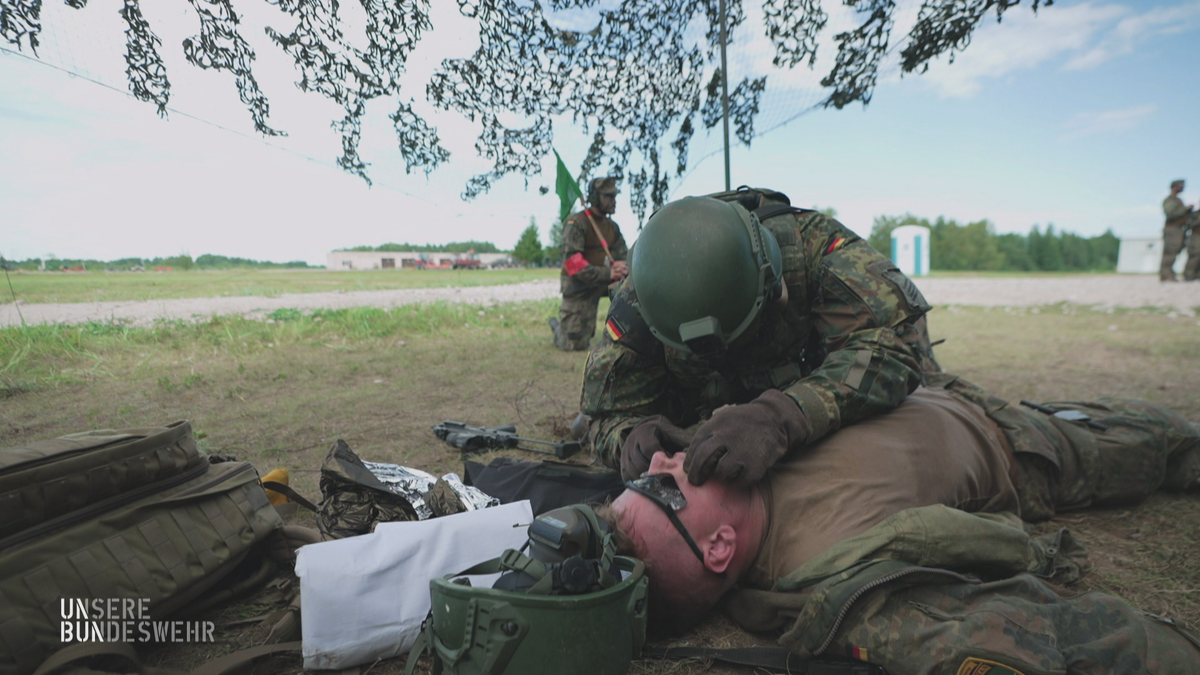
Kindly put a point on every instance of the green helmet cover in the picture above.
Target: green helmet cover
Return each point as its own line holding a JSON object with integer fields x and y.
{"x": 484, "y": 631}
{"x": 703, "y": 269}
{"x": 598, "y": 626}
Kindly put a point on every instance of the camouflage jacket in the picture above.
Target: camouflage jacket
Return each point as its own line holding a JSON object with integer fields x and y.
{"x": 937, "y": 590}
{"x": 849, "y": 344}
{"x": 1176, "y": 211}
{"x": 584, "y": 270}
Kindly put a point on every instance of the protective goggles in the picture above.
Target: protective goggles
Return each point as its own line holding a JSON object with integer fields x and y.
{"x": 662, "y": 490}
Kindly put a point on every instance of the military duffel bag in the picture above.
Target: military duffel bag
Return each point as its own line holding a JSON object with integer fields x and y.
{"x": 116, "y": 530}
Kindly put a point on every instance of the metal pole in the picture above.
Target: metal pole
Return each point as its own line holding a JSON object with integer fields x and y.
{"x": 725, "y": 94}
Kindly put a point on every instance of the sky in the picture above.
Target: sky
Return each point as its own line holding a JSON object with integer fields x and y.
{"x": 1078, "y": 116}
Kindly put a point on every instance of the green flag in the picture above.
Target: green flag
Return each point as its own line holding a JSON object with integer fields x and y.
{"x": 567, "y": 189}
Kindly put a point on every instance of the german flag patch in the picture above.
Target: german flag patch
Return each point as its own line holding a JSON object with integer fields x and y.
{"x": 837, "y": 243}
{"x": 625, "y": 325}
{"x": 974, "y": 666}
{"x": 614, "y": 329}
{"x": 856, "y": 653}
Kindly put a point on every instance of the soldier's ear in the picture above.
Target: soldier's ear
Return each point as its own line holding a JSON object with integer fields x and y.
{"x": 720, "y": 546}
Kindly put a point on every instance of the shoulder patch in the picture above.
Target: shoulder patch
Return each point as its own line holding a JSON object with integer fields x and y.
{"x": 974, "y": 666}
{"x": 912, "y": 295}
{"x": 625, "y": 325}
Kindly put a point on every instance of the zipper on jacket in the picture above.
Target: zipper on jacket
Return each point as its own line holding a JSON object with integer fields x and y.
{"x": 100, "y": 507}
{"x": 841, "y": 615}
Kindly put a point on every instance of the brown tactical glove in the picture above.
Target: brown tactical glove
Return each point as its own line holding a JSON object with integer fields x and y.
{"x": 739, "y": 443}
{"x": 653, "y": 434}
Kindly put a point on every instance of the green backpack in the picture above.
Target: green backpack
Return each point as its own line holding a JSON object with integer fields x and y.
{"x": 120, "y": 526}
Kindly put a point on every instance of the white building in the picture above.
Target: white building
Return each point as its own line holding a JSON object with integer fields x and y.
{"x": 1143, "y": 255}
{"x": 910, "y": 250}
{"x": 385, "y": 260}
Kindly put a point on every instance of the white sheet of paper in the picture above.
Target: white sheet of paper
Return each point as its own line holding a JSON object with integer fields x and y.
{"x": 364, "y": 598}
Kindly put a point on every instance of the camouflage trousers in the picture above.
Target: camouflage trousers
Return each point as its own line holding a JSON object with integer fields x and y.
{"x": 1172, "y": 245}
{"x": 1191, "y": 270}
{"x": 1064, "y": 465}
{"x": 577, "y": 321}
{"x": 1012, "y": 626}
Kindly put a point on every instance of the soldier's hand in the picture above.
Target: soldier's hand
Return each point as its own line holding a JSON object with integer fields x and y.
{"x": 654, "y": 434}
{"x": 740, "y": 443}
{"x": 620, "y": 270}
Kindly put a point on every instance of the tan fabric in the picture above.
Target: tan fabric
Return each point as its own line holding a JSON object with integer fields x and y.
{"x": 933, "y": 449}
{"x": 593, "y": 250}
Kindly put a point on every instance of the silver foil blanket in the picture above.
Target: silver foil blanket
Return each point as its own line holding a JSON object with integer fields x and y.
{"x": 412, "y": 484}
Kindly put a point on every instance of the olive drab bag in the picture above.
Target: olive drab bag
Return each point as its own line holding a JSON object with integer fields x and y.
{"x": 110, "y": 515}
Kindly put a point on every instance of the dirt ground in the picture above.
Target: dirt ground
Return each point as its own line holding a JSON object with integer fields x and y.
{"x": 282, "y": 402}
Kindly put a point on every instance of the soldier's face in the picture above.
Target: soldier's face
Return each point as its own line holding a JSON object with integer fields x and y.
{"x": 608, "y": 203}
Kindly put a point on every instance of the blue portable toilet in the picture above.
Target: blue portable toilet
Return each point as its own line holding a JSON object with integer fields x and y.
{"x": 910, "y": 250}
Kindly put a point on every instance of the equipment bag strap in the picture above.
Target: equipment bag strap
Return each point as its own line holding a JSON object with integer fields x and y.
{"x": 774, "y": 659}
{"x": 291, "y": 494}
{"x": 772, "y": 210}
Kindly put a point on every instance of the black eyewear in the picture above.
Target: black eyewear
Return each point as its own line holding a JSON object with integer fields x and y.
{"x": 663, "y": 491}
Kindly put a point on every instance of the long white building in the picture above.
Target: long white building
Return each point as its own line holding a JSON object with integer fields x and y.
{"x": 386, "y": 260}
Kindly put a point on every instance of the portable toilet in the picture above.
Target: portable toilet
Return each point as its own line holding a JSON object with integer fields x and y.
{"x": 910, "y": 250}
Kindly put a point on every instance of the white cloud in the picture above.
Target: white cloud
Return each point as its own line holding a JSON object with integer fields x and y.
{"x": 1022, "y": 41}
{"x": 1132, "y": 30}
{"x": 1093, "y": 123}
{"x": 1079, "y": 37}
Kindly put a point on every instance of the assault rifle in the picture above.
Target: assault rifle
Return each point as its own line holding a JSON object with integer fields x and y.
{"x": 471, "y": 440}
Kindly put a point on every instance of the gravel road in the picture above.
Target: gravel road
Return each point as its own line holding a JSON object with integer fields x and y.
{"x": 1109, "y": 290}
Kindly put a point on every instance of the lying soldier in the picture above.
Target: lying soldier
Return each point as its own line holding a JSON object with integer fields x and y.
{"x": 896, "y": 541}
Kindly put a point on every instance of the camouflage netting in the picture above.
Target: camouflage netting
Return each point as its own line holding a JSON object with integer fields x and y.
{"x": 641, "y": 81}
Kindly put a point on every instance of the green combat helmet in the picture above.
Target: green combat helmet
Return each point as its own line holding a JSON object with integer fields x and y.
{"x": 570, "y": 606}
{"x": 703, "y": 269}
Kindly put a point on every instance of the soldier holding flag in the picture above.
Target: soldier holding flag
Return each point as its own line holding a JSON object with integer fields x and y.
{"x": 593, "y": 257}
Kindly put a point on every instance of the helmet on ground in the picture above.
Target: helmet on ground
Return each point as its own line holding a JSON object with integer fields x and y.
{"x": 599, "y": 186}
{"x": 703, "y": 269}
{"x": 570, "y": 606}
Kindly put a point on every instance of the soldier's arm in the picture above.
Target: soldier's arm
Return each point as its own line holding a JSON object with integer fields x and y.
{"x": 577, "y": 267}
{"x": 624, "y": 380}
{"x": 620, "y": 251}
{"x": 863, "y": 310}
{"x": 1174, "y": 208}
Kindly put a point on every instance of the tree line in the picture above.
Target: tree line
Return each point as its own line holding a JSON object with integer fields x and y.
{"x": 976, "y": 246}
{"x": 177, "y": 262}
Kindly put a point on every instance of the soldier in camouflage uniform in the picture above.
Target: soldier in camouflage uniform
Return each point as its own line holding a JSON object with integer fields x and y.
{"x": 848, "y": 546}
{"x": 1178, "y": 216}
{"x": 587, "y": 268}
{"x": 740, "y": 300}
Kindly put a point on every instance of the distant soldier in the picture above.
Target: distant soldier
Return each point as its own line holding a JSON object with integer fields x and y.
{"x": 593, "y": 257}
{"x": 1178, "y": 216}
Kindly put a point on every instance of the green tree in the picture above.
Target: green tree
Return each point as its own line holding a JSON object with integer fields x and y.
{"x": 964, "y": 247}
{"x": 1015, "y": 249}
{"x": 529, "y": 247}
{"x": 1105, "y": 248}
{"x": 1045, "y": 249}
{"x": 552, "y": 254}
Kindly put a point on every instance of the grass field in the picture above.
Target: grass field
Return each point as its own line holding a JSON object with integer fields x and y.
{"x": 43, "y": 287}
{"x": 49, "y": 287}
{"x": 278, "y": 394}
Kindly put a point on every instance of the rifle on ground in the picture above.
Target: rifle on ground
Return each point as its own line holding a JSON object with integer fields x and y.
{"x": 472, "y": 440}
